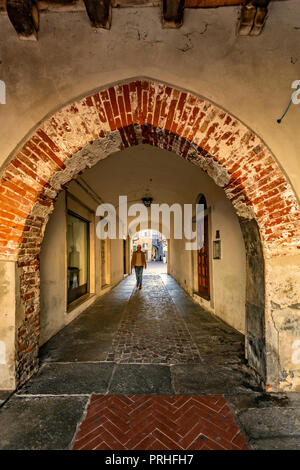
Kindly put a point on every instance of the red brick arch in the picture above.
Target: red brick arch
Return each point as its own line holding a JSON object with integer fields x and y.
{"x": 140, "y": 111}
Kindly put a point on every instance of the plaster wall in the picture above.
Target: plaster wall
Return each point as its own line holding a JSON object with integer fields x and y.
{"x": 53, "y": 264}
{"x": 7, "y": 324}
{"x": 248, "y": 76}
{"x": 53, "y": 314}
{"x": 170, "y": 179}
{"x": 227, "y": 275}
{"x": 283, "y": 324}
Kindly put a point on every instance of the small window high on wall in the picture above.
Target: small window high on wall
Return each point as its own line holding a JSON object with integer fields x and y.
{"x": 78, "y": 256}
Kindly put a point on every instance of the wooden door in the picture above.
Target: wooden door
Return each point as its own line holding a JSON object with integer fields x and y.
{"x": 203, "y": 264}
{"x": 124, "y": 257}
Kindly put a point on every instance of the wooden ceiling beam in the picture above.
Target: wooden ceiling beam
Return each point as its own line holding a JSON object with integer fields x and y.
{"x": 24, "y": 16}
{"x": 99, "y": 13}
{"x": 173, "y": 11}
{"x": 211, "y": 3}
{"x": 253, "y": 17}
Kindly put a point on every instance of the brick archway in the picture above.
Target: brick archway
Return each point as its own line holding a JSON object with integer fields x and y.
{"x": 145, "y": 111}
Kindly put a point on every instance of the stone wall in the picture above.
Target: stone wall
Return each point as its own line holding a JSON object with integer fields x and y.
{"x": 141, "y": 111}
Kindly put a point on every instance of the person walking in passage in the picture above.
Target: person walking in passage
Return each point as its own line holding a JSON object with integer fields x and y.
{"x": 138, "y": 262}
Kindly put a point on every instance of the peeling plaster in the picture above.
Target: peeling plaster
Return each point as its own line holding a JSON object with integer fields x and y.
{"x": 243, "y": 210}
{"x": 87, "y": 157}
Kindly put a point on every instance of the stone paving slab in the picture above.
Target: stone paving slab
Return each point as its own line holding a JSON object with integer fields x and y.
{"x": 156, "y": 267}
{"x": 271, "y": 422}
{"x": 276, "y": 443}
{"x": 89, "y": 336}
{"x": 90, "y": 348}
{"x": 198, "y": 379}
{"x": 242, "y": 401}
{"x": 294, "y": 398}
{"x": 4, "y": 394}
{"x": 137, "y": 378}
{"x": 195, "y": 316}
{"x": 71, "y": 378}
{"x": 214, "y": 337}
{"x": 40, "y": 423}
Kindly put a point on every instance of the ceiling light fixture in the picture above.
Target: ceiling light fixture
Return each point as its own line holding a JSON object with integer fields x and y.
{"x": 147, "y": 201}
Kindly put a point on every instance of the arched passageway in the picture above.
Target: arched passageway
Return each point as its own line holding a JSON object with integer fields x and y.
{"x": 155, "y": 246}
{"x": 174, "y": 183}
{"x": 144, "y": 111}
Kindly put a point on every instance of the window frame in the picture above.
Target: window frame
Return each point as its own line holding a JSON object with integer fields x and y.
{"x": 88, "y": 226}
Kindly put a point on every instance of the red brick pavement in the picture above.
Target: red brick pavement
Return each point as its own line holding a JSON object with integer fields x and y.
{"x": 160, "y": 422}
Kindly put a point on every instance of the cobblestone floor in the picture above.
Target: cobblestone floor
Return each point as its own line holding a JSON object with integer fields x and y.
{"x": 156, "y": 267}
{"x": 157, "y": 343}
{"x": 151, "y": 330}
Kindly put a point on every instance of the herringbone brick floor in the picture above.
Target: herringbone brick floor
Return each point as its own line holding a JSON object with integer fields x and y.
{"x": 159, "y": 422}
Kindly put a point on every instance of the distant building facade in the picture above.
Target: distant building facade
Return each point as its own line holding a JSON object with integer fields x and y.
{"x": 153, "y": 243}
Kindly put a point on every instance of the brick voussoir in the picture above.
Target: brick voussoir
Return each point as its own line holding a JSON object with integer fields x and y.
{"x": 160, "y": 115}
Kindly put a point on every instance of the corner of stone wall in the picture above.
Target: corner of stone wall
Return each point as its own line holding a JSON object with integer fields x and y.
{"x": 7, "y": 325}
{"x": 255, "y": 297}
{"x": 283, "y": 323}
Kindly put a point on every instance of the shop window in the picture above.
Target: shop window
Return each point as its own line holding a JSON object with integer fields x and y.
{"x": 78, "y": 256}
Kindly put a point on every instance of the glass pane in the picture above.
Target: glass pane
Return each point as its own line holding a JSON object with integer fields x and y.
{"x": 78, "y": 254}
{"x": 103, "y": 262}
